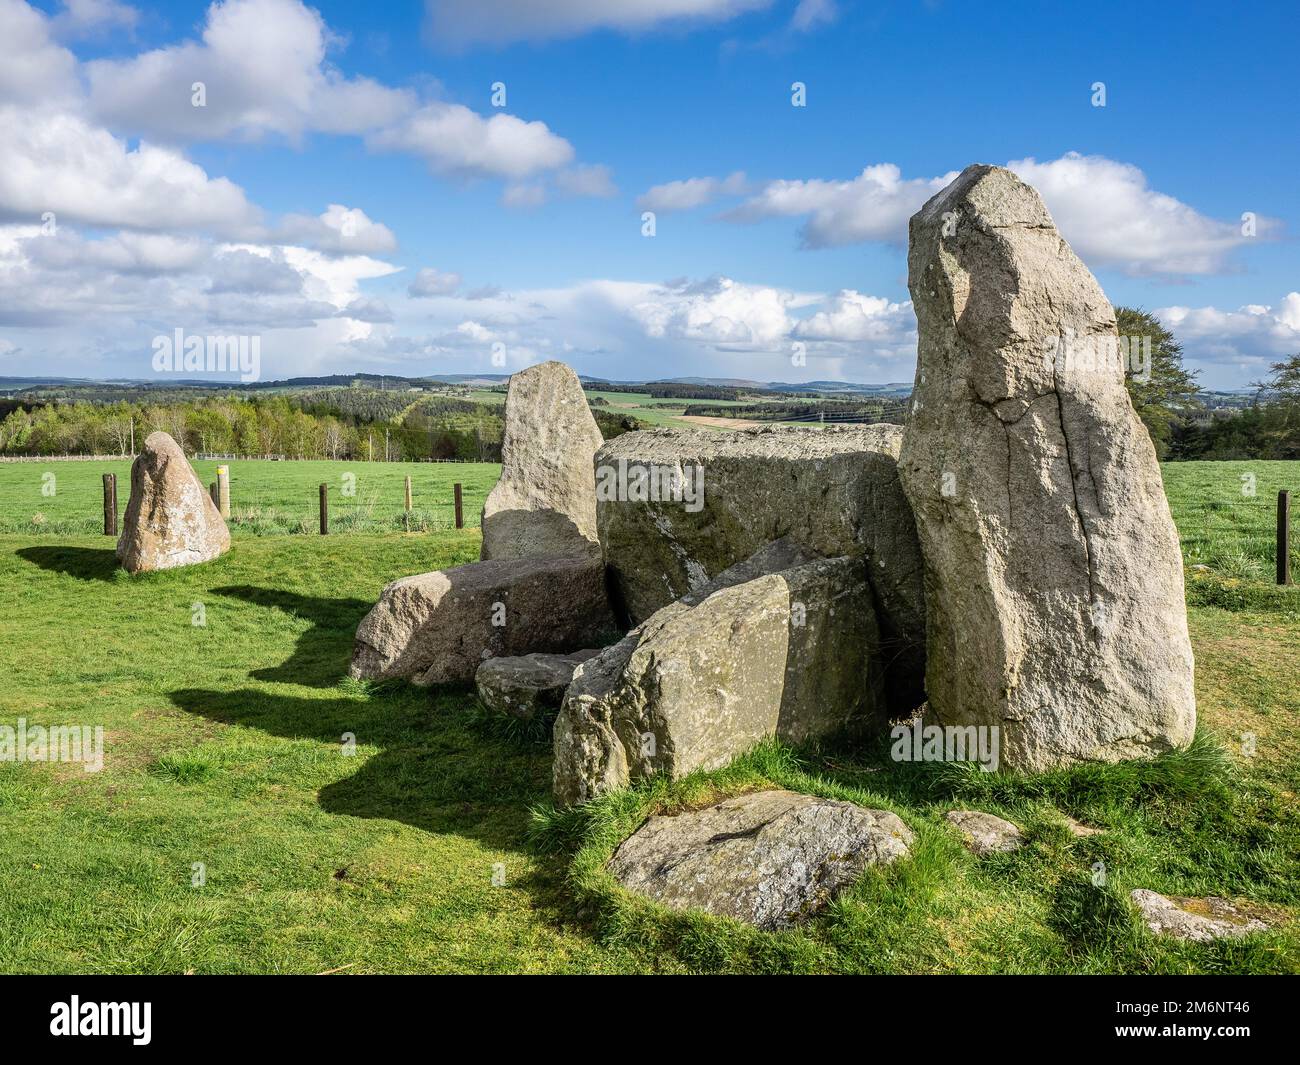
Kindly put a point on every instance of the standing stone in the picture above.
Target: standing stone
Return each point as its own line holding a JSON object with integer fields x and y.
{"x": 771, "y": 858}
{"x": 545, "y": 502}
{"x": 170, "y": 518}
{"x": 1054, "y": 582}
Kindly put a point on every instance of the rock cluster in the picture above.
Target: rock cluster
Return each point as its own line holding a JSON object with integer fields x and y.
{"x": 170, "y": 519}
{"x": 540, "y": 586}
{"x": 778, "y": 645}
{"x": 834, "y": 491}
{"x": 1007, "y": 562}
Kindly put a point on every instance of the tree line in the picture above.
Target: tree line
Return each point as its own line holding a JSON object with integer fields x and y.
{"x": 328, "y": 424}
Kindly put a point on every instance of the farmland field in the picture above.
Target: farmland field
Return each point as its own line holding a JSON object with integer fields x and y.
{"x": 234, "y": 828}
{"x": 649, "y": 410}
{"x": 265, "y": 497}
{"x": 1222, "y": 526}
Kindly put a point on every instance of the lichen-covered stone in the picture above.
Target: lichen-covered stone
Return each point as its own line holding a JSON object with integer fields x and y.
{"x": 437, "y": 628}
{"x": 1194, "y": 920}
{"x": 527, "y": 687}
{"x": 985, "y": 833}
{"x": 770, "y": 858}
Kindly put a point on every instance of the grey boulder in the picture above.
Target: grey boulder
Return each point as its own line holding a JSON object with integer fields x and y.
{"x": 437, "y": 628}
{"x": 770, "y": 858}
{"x": 1176, "y": 917}
{"x": 985, "y": 833}
{"x": 527, "y": 687}
{"x": 835, "y": 492}
{"x": 760, "y": 651}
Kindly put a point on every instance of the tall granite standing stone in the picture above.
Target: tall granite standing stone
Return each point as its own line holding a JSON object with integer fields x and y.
{"x": 544, "y": 505}
{"x": 170, "y": 518}
{"x": 1054, "y": 583}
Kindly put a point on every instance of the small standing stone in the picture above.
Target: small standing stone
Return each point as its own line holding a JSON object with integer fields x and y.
{"x": 170, "y": 518}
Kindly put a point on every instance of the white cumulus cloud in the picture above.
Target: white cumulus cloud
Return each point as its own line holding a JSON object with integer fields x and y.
{"x": 691, "y": 192}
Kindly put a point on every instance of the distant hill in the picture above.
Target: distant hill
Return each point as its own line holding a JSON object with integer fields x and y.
{"x": 482, "y": 380}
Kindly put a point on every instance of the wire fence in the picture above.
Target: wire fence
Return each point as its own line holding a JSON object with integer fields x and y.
{"x": 1235, "y": 538}
{"x": 265, "y": 498}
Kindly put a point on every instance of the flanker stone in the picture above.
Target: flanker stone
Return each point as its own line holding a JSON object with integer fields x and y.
{"x": 1053, "y": 573}
{"x": 544, "y": 505}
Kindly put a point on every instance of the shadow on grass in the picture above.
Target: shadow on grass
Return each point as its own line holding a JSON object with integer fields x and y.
{"x": 84, "y": 563}
{"x": 320, "y": 658}
{"x": 436, "y": 768}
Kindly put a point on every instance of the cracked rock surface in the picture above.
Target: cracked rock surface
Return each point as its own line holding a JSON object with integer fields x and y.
{"x": 770, "y": 858}
{"x": 1054, "y": 582}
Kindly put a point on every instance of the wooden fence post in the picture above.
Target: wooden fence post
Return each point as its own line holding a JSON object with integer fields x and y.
{"x": 408, "y": 493}
{"x": 216, "y": 496}
{"x": 460, "y": 512}
{"x": 110, "y": 504}
{"x": 324, "y": 510}
{"x": 1284, "y": 537}
{"x": 223, "y": 491}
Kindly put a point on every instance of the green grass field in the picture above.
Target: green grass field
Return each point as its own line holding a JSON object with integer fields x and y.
{"x": 1221, "y": 527}
{"x": 265, "y": 497}
{"x": 433, "y": 848}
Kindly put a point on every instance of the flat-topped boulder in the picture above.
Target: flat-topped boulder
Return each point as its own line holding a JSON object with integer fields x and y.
{"x": 527, "y": 687}
{"x": 676, "y": 507}
{"x": 1195, "y": 920}
{"x": 438, "y": 628}
{"x": 759, "y": 651}
{"x": 545, "y": 502}
{"x": 170, "y": 519}
{"x": 1053, "y": 572}
{"x": 770, "y": 858}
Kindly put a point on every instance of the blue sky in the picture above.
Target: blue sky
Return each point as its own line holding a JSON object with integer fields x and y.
{"x": 349, "y": 192}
